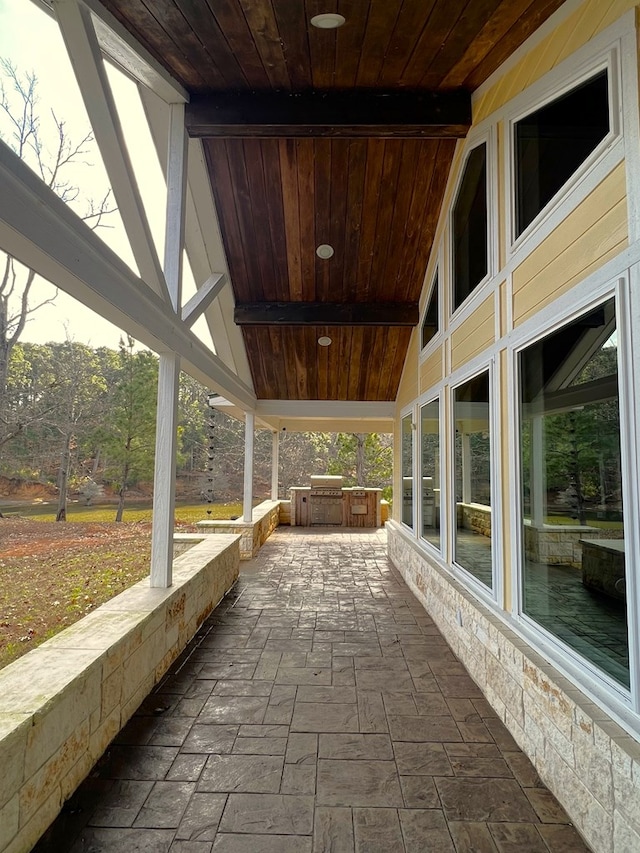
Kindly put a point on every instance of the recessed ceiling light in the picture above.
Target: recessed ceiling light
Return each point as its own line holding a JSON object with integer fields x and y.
{"x": 324, "y": 251}
{"x": 328, "y": 21}
{"x": 324, "y": 341}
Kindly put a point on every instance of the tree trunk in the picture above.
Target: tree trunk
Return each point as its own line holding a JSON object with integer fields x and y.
{"x": 63, "y": 479}
{"x": 120, "y": 509}
{"x": 122, "y": 493}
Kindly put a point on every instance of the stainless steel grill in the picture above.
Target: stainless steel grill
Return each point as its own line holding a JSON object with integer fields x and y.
{"x": 325, "y": 499}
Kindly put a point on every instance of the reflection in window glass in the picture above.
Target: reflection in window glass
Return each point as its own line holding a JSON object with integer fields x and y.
{"x": 473, "y": 478}
{"x": 430, "y": 468}
{"x": 573, "y": 526}
{"x": 430, "y": 324}
{"x": 552, "y": 142}
{"x": 407, "y": 471}
{"x": 470, "y": 256}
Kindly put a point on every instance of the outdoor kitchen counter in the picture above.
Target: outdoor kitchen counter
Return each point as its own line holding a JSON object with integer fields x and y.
{"x": 360, "y": 507}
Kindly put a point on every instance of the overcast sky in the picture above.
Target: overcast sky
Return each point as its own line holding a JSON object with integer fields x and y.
{"x": 31, "y": 40}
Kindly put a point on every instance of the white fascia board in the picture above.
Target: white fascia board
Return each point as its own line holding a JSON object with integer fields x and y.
{"x": 43, "y": 233}
{"x": 327, "y": 410}
{"x": 316, "y": 415}
{"x": 334, "y": 425}
{"x": 123, "y": 50}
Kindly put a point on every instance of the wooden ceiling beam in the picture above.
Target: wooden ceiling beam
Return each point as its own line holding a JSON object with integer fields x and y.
{"x": 327, "y": 314}
{"x": 420, "y": 115}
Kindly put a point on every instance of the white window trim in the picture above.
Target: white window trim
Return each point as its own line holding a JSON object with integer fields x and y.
{"x": 603, "y": 53}
{"x": 623, "y": 704}
{"x": 486, "y": 136}
{"x": 425, "y": 400}
{"x": 436, "y": 340}
{"x": 408, "y": 412}
{"x": 470, "y": 371}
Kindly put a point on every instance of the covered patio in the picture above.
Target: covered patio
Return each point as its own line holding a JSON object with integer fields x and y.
{"x": 368, "y": 253}
{"x": 318, "y": 708}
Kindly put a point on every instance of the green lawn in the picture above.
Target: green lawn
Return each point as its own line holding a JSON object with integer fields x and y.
{"x": 591, "y": 522}
{"x": 185, "y": 513}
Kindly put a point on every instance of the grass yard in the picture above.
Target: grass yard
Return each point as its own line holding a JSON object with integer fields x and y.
{"x": 52, "y": 574}
{"x": 184, "y": 513}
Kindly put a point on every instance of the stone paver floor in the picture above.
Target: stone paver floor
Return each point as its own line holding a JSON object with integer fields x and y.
{"x": 318, "y": 709}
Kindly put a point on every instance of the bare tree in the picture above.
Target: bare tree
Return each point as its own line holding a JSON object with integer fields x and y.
{"x": 50, "y": 150}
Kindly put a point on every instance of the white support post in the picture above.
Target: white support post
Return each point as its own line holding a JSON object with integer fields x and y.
{"x": 249, "y": 424}
{"x": 275, "y": 464}
{"x": 164, "y": 487}
{"x": 165, "y": 471}
{"x": 466, "y": 468}
{"x": 176, "y": 204}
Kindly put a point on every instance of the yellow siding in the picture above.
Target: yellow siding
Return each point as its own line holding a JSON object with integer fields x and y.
{"x": 408, "y": 388}
{"x": 474, "y": 335}
{"x": 594, "y": 232}
{"x": 586, "y": 22}
{"x": 431, "y": 371}
{"x": 506, "y": 481}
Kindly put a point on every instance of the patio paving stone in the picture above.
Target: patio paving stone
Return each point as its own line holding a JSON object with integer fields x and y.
{"x": 317, "y": 711}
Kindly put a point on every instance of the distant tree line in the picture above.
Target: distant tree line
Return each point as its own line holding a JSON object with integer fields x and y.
{"x": 82, "y": 420}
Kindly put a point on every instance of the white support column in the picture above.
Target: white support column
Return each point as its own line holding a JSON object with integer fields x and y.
{"x": 275, "y": 464}
{"x": 538, "y": 489}
{"x": 466, "y": 468}
{"x": 164, "y": 487}
{"x": 165, "y": 471}
{"x": 249, "y": 424}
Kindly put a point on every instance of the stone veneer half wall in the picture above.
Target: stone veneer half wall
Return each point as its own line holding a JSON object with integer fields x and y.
{"x": 586, "y": 759}
{"x": 64, "y": 702}
{"x": 253, "y": 534}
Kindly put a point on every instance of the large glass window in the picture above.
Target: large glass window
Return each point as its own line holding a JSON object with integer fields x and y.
{"x": 552, "y": 142}
{"x": 469, "y": 227}
{"x": 431, "y": 322}
{"x": 573, "y": 526}
{"x": 407, "y": 470}
{"x": 430, "y": 471}
{"x": 471, "y": 404}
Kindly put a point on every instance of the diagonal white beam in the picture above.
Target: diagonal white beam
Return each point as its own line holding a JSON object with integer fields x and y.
{"x": 84, "y": 52}
{"x": 43, "y": 233}
{"x": 122, "y": 49}
{"x": 201, "y": 300}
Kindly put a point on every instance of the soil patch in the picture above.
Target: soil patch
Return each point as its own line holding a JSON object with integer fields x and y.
{"x": 53, "y": 574}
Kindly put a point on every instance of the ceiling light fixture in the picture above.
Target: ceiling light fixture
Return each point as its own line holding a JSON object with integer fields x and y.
{"x": 328, "y": 21}
{"x": 324, "y": 251}
{"x": 324, "y": 341}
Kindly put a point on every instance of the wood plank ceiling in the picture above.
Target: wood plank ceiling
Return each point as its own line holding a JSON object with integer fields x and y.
{"x": 389, "y": 89}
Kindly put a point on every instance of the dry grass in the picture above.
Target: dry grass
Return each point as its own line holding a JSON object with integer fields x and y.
{"x": 53, "y": 574}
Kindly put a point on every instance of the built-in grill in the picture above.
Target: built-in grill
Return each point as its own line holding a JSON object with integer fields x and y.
{"x": 325, "y": 499}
